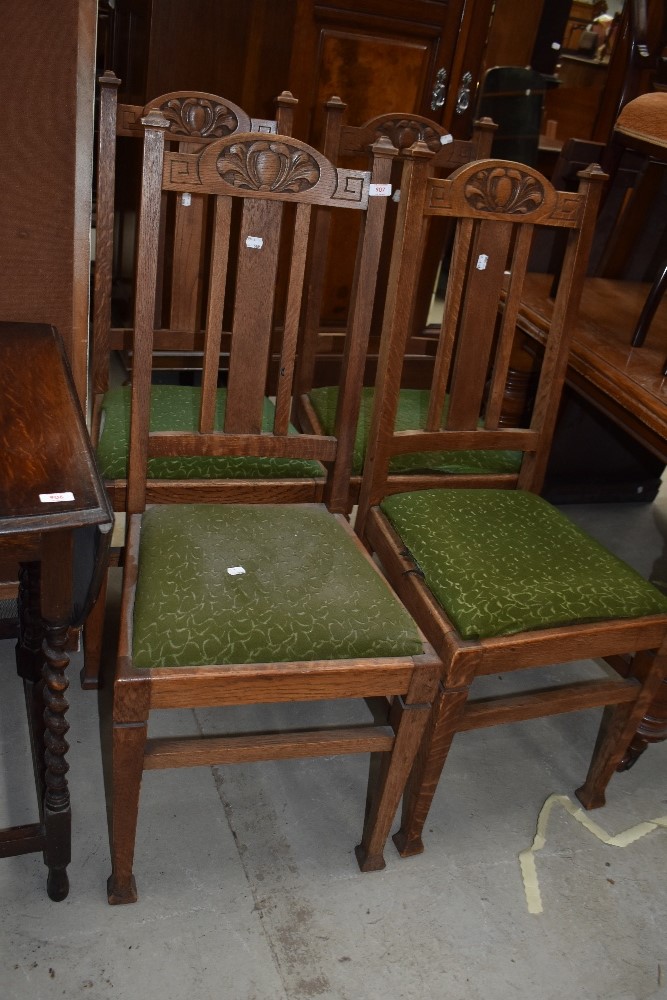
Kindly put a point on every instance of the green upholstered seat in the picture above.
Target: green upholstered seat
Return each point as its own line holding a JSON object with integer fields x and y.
{"x": 305, "y": 591}
{"x": 502, "y": 562}
{"x": 176, "y": 408}
{"x": 412, "y": 410}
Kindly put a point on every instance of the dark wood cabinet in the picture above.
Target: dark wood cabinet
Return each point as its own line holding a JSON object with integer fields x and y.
{"x": 377, "y": 55}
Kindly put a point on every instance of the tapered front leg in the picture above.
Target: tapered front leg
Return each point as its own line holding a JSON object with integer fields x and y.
{"x": 129, "y": 740}
{"x": 390, "y": 771}
{"x": 425, "y": 775}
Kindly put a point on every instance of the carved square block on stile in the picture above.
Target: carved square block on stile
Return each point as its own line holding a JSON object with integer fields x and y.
{"x": 182, "y": 170}
{"x": 352, "y": 186}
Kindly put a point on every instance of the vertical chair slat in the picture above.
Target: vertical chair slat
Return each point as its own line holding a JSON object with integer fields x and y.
{"x": 187, "y": 259}
{"x": 450, "y": 323}
{"x": 215, "y": 310}
{"x": 498, "y": 386}
{"x": 253, "y": 315}
{"x": 478, "y": 321}
{"x": 292, "y": 312}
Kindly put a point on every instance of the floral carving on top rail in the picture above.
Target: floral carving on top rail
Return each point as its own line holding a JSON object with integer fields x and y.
{"x": 404, "y": 132}
{"x": 504, "y": 189}
{"x": 199, "y": 117}
{"x": 268, "y": 166}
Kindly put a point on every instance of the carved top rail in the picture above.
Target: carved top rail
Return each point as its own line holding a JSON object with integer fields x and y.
{"x": 271, "y": 168}
{"x": 505, "y": 186}
{"x": 193, "y": 116}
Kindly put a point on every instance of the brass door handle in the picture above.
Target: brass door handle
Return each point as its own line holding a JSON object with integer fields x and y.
{"x": 463, "y": 96}
{"x": 439, "y": 92}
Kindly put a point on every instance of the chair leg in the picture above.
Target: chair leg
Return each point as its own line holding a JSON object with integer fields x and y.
{"x": 443, "y": 724}
{"x": 388, "y": 775}
{"x": 653, "y": 300}
{"x": 618, "y": 727}
{"x": 129, "y": 741}
{"x": 92, "y": 641}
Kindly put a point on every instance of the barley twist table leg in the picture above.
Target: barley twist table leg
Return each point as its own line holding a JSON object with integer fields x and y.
{"x": 57, "y": 816}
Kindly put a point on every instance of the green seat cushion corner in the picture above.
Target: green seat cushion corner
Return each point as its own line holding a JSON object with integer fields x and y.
{"x": 306, "y": 591}
{"x": 501, "y": 562}
{"x": 411, "y": 415}
{"x": 176, "y": 408}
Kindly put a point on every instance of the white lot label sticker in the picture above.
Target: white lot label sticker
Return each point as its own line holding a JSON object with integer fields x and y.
{"x": 482, "y": 261}
{"x": 446, "y": 139}
{"x": 235, "y": 570}
{"x": 254, "y": 242}
{"x": 55, "y": 497}
{"x": 380, "y": 190}
{"x": 186, "y": 199}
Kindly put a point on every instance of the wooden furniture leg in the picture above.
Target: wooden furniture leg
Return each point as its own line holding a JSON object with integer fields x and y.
{"x": 443, "y": 724}
{"x": 408, "y": 720}
{"x": 92, "y": 641}
{"x": 56, "y": 588}
{"x": 652, "y": 729}
{"x": 128, "y": 742}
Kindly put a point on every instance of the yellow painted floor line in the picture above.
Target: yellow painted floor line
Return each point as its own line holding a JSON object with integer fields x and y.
{"x": 527, "y": 857}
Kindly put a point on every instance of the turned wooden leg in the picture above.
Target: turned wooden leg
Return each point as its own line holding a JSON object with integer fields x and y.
{"x": 442, "y": 726}
{"x": 56, "y": 608}
{"x": 389, "y": 771}
{"x": 57, "y": 810}
{"x": 651, "y": 729}
{"x": 31, "y": 632}
{"x": 129, "y": 740}
{"x": 29, "y": 662}
{"x": 619, "y": 724}
{"x": 92, "y": 641}
{"x": 42, "y": 661}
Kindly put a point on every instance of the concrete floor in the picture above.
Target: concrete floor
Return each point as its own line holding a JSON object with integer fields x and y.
{"x": 248, "y": 887}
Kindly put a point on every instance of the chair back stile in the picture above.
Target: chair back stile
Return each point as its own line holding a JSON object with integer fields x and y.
{"x": 497, "y": 205}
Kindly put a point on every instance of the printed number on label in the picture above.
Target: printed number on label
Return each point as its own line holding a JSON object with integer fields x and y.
{"x": 380, "y": 190}
{"x": 56, "y": 497}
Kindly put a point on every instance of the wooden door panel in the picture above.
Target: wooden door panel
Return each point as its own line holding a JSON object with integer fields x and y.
{"x": 372, "y": 74}
{"x": 378, "y": 56}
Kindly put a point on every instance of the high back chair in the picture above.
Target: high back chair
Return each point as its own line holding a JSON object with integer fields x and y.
{"x": 195, "y": 120}
{"x": 317, "y": 398}
{"x": 229, "y": 604}
{"x": 497, "y": 578}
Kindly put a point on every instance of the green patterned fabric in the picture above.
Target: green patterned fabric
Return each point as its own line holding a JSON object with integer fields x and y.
{"x": 176, "y": 408}
{"x": 306, "y": 591}
{"x": 412, "y": 411}
{"x": 502, "y": 562}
